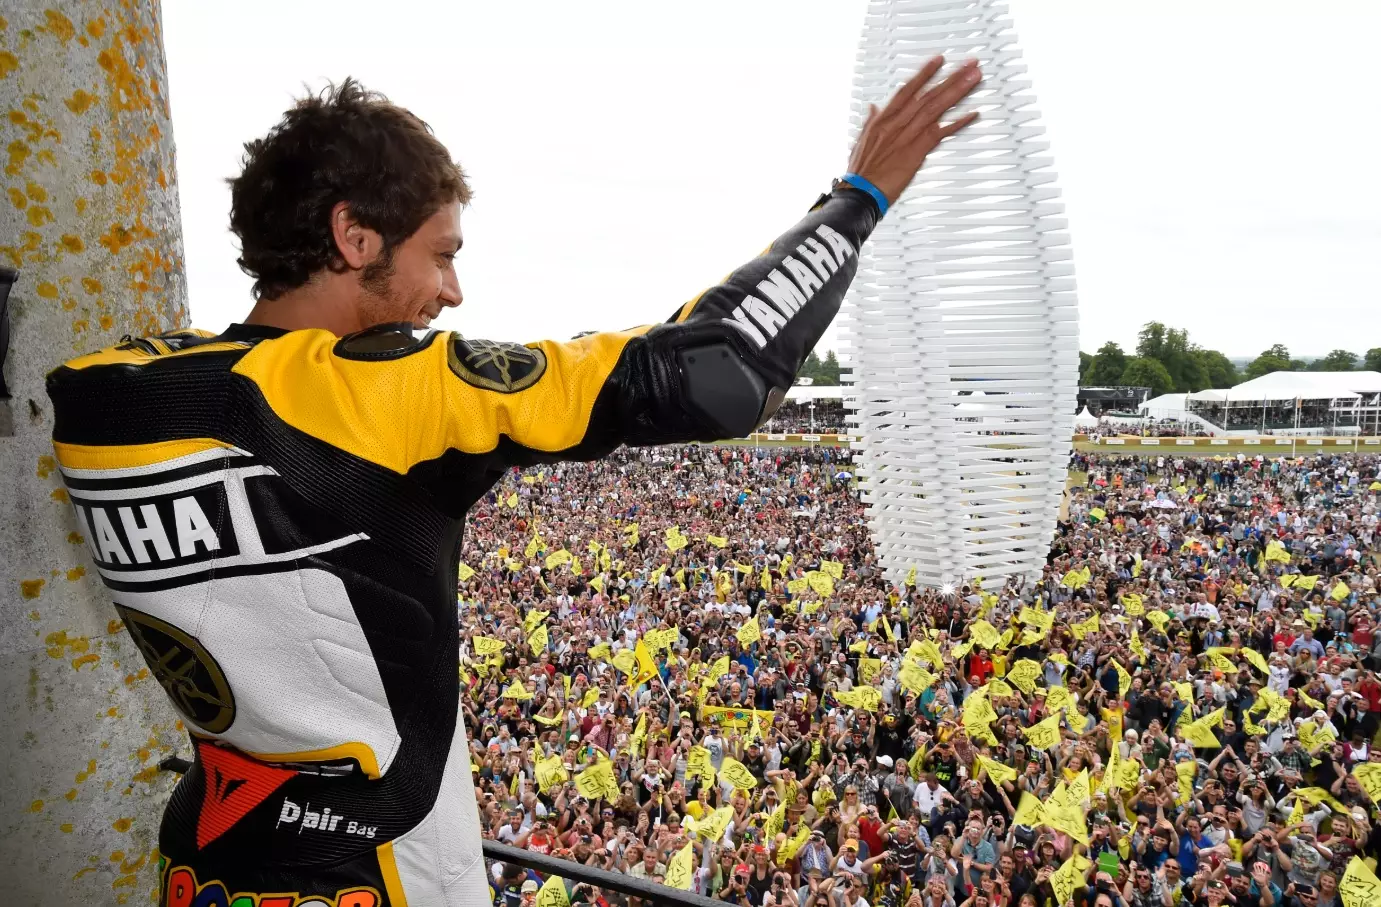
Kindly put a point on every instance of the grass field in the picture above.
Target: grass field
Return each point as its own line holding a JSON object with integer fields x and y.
{"x": 1167, "y": 449}
{"x": 1229, "y": 449}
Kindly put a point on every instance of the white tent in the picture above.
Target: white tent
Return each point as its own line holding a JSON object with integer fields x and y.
{"x": 1166, "y": 406}
{"x": 805, "y": 393}
{"x": 1306, "y": 386}
{"x": 1085, "y": 419}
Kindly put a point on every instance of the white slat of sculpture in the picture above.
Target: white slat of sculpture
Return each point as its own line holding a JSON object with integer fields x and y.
{"x": 966, "y": 286}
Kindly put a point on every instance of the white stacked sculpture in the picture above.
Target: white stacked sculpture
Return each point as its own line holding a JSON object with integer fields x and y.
{"x": 962, "y": 327}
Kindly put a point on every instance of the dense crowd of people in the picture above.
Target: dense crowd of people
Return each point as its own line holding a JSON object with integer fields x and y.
{"x": 686, "y": 665}
{"x": 827, "y": 417}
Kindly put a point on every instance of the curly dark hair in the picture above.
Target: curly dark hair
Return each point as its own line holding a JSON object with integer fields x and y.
{"x": 349, "y": 145}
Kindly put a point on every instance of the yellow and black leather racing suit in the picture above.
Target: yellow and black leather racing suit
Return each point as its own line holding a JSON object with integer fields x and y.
{"x": 278, "y": 517}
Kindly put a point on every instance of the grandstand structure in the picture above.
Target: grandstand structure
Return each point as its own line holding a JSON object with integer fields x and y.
{"x": 961, "y": 329}
{"x": 1330, "y": 403}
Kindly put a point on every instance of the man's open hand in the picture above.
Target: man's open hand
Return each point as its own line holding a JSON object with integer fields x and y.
{"x": 896, "y": 139}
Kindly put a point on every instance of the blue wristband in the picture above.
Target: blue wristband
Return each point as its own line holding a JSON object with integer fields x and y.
{"x": 858, "y": 182}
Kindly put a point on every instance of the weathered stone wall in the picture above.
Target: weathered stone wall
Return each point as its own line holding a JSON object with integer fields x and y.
{"x": 90, "y": 220}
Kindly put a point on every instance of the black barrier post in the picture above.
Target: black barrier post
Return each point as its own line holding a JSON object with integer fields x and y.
{"x": 7, "y": 278}
{"x": 649, "y": 892}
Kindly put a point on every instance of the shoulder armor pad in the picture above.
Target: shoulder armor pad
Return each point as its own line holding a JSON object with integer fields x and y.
{"x": 382, "y": 342}
{"x": 505, "y": 368}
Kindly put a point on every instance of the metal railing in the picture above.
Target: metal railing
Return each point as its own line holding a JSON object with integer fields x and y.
{"x": 647, "y": 891}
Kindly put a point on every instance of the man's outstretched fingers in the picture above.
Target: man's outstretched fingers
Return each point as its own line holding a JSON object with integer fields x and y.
{"x": 951, "y": 91}
{"x": 914, "y": 86}
{"x": 952, "y": 128}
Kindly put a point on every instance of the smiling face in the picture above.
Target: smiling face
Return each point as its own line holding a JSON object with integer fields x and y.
{"x": 417, "y": 278}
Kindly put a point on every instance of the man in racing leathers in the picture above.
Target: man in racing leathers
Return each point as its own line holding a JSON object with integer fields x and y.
{"x": 277, "y": 510}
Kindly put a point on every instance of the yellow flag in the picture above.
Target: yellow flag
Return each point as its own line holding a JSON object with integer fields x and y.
{"x": 512, "y": 501}
{"x": 793, "y": 844}
{"x": 1064, "y": 880}
{"x": 931, "y": 653}
{"x": 550, "y": 772}
{"x": 718, "y": 669}
{"x": 1369, "y": 776}
{"x": 868, "y": 668}
{"x": 1029, "y": 811}
{"x": 977, "y": 710}
{"x": 1256, "y": 661}
{"x": 537, "y": 640}
{"x": 996, "y": 770}
{"x": 718, "y": 541}
{"x": 556, "y": 559}
{"x": 833, "y": 568}
{"x": 911, "y": 576}
{"x": 914, "y": 678}
{"x": 1043, "y": 734}
{"x": 625, "y": 661}
{"x": 737, "y": 774}
{"x": 590, "y": 698}
{"x": 1023, "y": 674}
{"x": 916, "y": 763}
{"x": 887, "y": 630}
{"x": 775, "y": 821}
{"x": 698, "y": 762}
{"x": 713, "y": 827}
{"x": 1136, "y": 646}
{"x": 749, "y": 633}
{"x": 822, "y": 583}
{"x": 600, "y": 651}
{"x": 1159, "y": 619}
{"x": 647, "y": 669}
{"x": 1057, "y": 698}
{"x": 597, "y": 583}
{"x": 597, "y": 781}
{"x": 681, "y": 869}
{"x": 1134, "y": 604}
{"x": 1084, "y": 628}
{"x": 1340, "y": 592}
{"x": 1124, "y": 680}
{"x": 984, "y": 634}
{"x": 465, "y": 573}
{"x": 550, "y": 722}
{"x": 486, "y": 646}
{"x": 553, "y": 893}
{"x": 867, "y": 698}
{"x": 516, "y": 690}
{"x": 766, "y": 581}
{"x": 1359, "y": 886}
{"x": 1199, "y": 733}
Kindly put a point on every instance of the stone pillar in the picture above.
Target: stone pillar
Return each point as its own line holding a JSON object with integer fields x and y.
{"x": 90, "y": 222}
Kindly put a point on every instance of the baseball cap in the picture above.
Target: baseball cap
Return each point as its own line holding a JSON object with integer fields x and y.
{"x": 1235, "y": 868}
{"x": 529, "y": 887}
{"x": 885, "y": 760}
{"x": 851, "y": 844}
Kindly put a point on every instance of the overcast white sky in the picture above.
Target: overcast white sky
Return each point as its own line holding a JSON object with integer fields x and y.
{"x": 1219, "y": 160}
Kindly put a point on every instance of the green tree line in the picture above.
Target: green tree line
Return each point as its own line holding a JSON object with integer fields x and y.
{"x": 824, "y": 371}
{"x": 1167, "y": 361}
